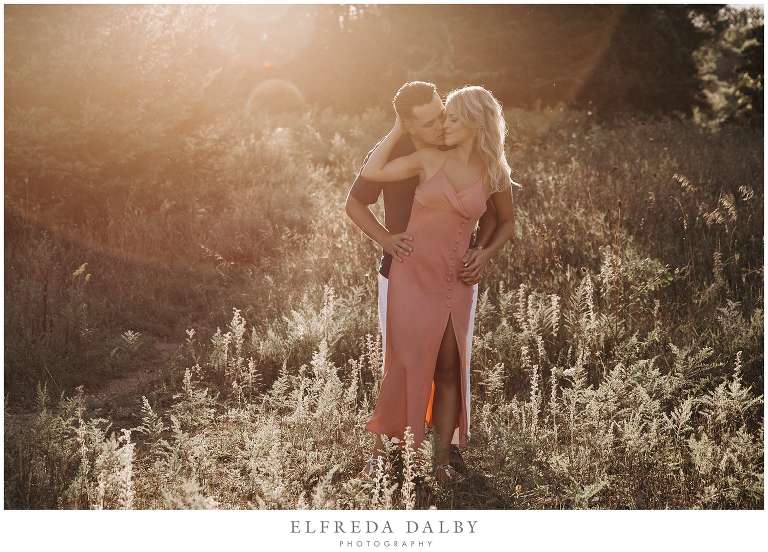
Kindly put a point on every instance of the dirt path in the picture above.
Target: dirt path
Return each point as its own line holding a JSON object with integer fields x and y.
{"x": 119, "y": 399}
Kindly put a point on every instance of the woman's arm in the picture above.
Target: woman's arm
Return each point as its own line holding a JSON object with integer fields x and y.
{"x": 378, "y": 169}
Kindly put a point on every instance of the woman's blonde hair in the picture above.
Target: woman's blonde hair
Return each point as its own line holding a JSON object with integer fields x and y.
{"x": 477, "y": 108}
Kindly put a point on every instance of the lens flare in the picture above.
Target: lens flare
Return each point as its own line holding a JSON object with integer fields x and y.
{"x": 273, "y": 96}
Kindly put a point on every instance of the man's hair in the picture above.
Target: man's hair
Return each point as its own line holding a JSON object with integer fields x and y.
{"x": 412, "y": 94}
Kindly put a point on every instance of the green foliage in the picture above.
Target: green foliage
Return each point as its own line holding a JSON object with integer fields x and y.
{"x": 730, "y": 65}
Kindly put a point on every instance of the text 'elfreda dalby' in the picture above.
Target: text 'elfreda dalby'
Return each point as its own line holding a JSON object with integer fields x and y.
{"x": 369, "y": 526}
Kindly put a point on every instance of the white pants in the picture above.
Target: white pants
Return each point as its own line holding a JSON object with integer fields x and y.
{"x": 383, "y": 283}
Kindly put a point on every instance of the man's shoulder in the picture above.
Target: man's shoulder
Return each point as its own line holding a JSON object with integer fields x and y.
{"x": 404, "y": 146}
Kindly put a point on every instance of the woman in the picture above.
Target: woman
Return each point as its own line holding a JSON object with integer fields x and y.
{"x": 428, "y": 307}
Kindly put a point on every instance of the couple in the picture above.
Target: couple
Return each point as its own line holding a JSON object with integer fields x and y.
{"x": 441, "y": 169}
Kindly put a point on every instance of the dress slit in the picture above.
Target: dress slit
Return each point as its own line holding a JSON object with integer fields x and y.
{"x": 460, "y": 375}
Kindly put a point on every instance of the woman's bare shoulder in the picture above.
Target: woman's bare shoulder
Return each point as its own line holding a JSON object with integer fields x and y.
{"x": 433, "y": 157}
{"x": 430, "y": 153}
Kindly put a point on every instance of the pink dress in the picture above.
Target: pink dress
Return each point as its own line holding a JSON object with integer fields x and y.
{"x": 423, "y": 294}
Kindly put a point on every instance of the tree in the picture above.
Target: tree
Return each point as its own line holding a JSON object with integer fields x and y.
{"x": 731, "y": 67}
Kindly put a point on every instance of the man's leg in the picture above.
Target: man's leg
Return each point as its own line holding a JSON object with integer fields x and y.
{"x": 468, "y": 398}
{"x": 383, "y": 284}
{"x": 454, "y": 453}
{"x": 378, "y": 443}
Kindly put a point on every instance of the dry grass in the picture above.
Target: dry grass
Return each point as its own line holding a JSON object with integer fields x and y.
{"x": 618, "y": 347}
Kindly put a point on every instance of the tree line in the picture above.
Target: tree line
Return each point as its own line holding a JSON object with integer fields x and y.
{"x": 187, "y": 62}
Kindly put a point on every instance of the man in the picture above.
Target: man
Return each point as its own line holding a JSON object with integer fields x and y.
{"x": 421, "y": 111}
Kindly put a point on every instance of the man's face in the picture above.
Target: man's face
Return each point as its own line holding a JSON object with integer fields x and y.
{"x": 427, "y": 122}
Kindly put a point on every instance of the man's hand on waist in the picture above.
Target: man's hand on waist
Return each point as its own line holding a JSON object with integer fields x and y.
{"x": 398, "y": 245}
{"x": 473, "y": 263}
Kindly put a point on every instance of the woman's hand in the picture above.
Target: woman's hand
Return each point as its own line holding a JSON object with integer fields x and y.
{"x": 474, "y": 262}
{"x": 398, "y": 245}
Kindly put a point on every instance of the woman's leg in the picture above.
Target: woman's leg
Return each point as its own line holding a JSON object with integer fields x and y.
{"x": 446, "y": 407}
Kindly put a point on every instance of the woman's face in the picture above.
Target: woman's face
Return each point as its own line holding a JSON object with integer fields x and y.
{"x": 455, "y": 131}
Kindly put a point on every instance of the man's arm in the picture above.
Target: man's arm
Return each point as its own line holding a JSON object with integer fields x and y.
{"x": 486, "y": 226}
{"x": 361, "y": 215}
{"x": 485, "y": 231}
{"x": 477, "y": 258}
{"x": 362, "y": 194}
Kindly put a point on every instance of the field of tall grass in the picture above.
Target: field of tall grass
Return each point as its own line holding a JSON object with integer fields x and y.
{"x": 618, "y": 349}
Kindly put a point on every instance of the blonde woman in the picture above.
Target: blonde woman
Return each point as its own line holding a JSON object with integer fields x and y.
{"x": 428, "y": 305}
